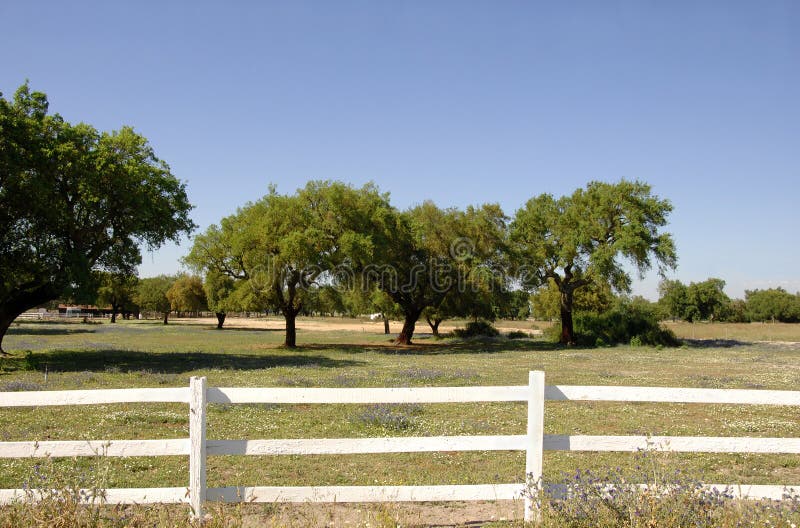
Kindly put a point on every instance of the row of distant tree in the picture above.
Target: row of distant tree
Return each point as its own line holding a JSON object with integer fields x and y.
{"x": 707, "y": 301}
{"x": 187, "y": 294}
{"x": 697, "y": 301}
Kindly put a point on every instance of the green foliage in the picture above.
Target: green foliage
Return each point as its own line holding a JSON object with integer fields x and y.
{"x": 74, "y": 200}
{"x": 774, "y": 304}
{"x": 594, "y": 297}
{"x": 219, "y": 289}
{"x": 328, "y": 300}
{"x": 276, "y": 248}
{"x": 441, "y": 260}
{"x": 477, "y": 329}
{"x": 673, "y": 298}
{"x": 512, "y": 304}
{"x": 151, "y": 293}
{"x": 187, "y": 294}
{"x": 631, "y": 321}
{"x": 585, "y": 238}
{"x": 699, "y": 301}
{"x": 734, "y": 312}
{"x": 706, "y": 300}
{"x": 117, "y": 290}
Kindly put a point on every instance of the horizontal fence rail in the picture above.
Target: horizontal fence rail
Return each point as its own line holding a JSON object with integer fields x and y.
{"x": 197, "y": 447}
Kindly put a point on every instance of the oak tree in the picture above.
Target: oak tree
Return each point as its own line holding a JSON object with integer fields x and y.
{"x": 74, "y": 201}
{"x": 587, "y": 237}
{"x": 280, "y": 245}
{"x": 151, "y": 295}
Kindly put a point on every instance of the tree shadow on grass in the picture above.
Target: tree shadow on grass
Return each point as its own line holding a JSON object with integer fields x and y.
{"x": 173, "y": 362}
{"x": 438, "y": 347}
{"x": 715, "y": 343}
{"x": 240, "y": 329}
{"x": 28, "y": 330}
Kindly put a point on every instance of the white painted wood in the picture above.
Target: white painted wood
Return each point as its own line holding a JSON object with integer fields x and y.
{"x": 737, "y": 491}
{"x": 670, "y": 394}
{"x": 367, "y": 395}
{"x": 682, "y": 444}
{"x": 340, "y": 446}
{"x": 112, "y": 448}
{"x": 533, "y": 454}
{"x": 112, "y": 495}
{"x": 366, "y": 493}
{"x": 534, "y": 442}
{"x": 753, "y": 491}
{"x": 97, "y": 396}
{"x": 197, "y": 451}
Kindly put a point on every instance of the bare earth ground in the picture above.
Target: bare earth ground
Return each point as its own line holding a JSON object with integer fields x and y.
{"x": 327, "y": 324}
{"x": 445, "y": 514}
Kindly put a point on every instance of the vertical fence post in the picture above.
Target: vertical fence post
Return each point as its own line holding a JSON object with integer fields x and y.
{"x": 533, "y": 455}
{"x": 197, "y": 449}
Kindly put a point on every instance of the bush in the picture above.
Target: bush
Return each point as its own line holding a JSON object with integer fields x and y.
{"x": 391, "y": 417}
{"x": 477, "y": 329}
{"x": 18, "y": 386}
{"x": 626, "y": 322}
{"x": 517, "y": 334}
{"x": 615, "y": 498}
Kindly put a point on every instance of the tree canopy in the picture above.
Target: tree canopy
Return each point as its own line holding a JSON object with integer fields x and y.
{"x": 698, "y": 301}
{"x": 586, "y": 237}
{"x": 774, "y": 304}
{"x": 74, "y": 200}
{"x": 187, "y": 294}
{"x": 151, "y": 294}
{"x": 427, "y": 252}
{"x": 281, "y": 244}
{"x": 117, "y": 290}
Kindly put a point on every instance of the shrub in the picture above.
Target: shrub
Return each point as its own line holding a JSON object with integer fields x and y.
{"x": 19, "y": 386}
{"x": 626, "y": 322}
{"x": 477, "y": 329}
{"x": 654, "y": 496}
{"x": 393, "y": 417}
{"x": 517, "y": 334}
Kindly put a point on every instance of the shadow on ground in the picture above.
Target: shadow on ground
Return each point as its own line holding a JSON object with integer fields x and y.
{"x": 715, "y": 343}
{"x": 49, "y": 330}
{"x": 436, "y": 347}
{"x": 173, "y": 363}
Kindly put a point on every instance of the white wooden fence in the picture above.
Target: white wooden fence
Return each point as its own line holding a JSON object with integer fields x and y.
{"x": 197, "y": 447}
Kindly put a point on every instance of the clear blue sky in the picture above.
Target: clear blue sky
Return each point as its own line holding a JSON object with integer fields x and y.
{"x": 457, "y": 101}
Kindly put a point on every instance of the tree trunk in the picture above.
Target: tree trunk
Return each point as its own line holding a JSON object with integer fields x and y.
{"x": 411, "y": 317}
{"x": 5, "y": 322}
{"x": 20, "y": 300}
{"x": 291, "y": 331}
{"x": 385, "y": 324}
{"x": 114, "y": 309}
{"x": 166, "y": 317}
{"x": 220, "y": 319}
{"x": 567, "y": 328}
{"x": 434, "y": 325}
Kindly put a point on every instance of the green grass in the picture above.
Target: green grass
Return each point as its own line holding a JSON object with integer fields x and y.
{"x": 147, "y": 354}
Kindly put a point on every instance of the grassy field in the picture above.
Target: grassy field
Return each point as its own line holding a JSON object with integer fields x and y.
{"x": 350, "y": 353}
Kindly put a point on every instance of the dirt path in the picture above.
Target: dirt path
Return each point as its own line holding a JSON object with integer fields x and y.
{"x": 333, "y": 324}
{"x": 445, "y": 514}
